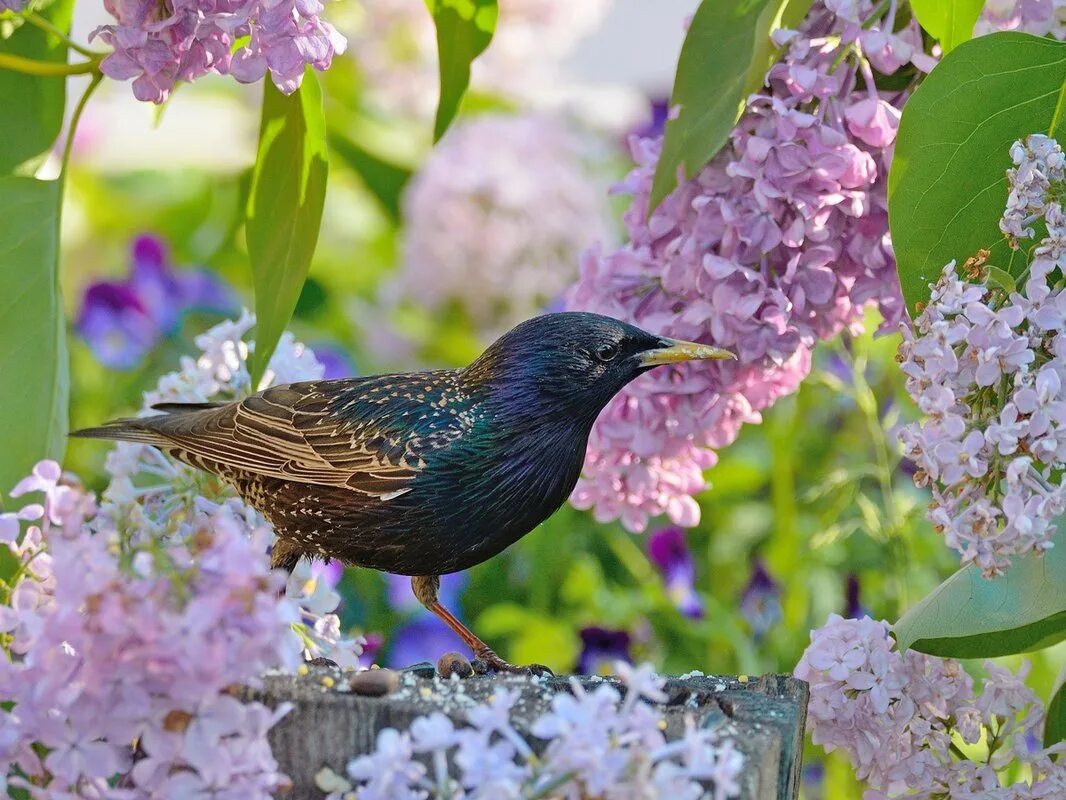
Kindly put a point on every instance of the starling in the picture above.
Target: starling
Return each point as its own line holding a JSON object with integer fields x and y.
{"x": 420, "y": 473}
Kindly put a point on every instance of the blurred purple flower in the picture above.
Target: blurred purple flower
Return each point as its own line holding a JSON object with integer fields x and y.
{"x": 401, "y": 598}
{"x": 600, "y": 648}
{"x": 655, "y": 124}
{"x": 853, "y": 607}
{"x": 760, "y": 604}
{"x": 116, "y": 325}
{"x": 122, "y": 321}
{"x": 425, "y": 638}
{"x": 370, "y": 649}
{"x": 668, "y": 550}
{"x": 337, "y": 362}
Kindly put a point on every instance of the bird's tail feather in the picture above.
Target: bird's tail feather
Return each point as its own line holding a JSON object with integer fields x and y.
{"x": 129, "y": 429}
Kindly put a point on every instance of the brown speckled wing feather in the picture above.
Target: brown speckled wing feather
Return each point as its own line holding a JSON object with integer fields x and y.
{"x": 367, "y": 434}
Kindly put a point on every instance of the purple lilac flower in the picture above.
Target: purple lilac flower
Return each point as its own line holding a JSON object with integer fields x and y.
{"x": 601, "y": 648}
{"x": 760, "y": 604}
{"x": 122, "y": 321}
{"x": 371, "y": 649}
{"x": 12, "y": 5}
{"x": 161, "y": 44}
{"x": 655, "y": 123}
{"x": 668, "y": 550}
{"x": 329, "y": 572}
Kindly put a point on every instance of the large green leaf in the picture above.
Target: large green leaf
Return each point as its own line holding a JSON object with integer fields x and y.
{"x": 724, "y": 58}
{"x": 968, "y": 616}
{"x": 950, "y": 21}
{"x": 947, "y": 187}
{"x": 1055, "y": 719}
{"x": 34, "y": 378}
{"x": 284, "y": 208}
{"x": 382, "y": 178}
{"x": 464, "y": 30}
{"x": 32, "y": 105}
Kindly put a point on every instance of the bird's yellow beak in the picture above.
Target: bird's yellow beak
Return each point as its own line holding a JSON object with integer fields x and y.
{"x": 674, "y": 352}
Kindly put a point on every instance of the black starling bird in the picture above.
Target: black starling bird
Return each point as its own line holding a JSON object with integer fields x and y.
{"x": 421, "y": 473}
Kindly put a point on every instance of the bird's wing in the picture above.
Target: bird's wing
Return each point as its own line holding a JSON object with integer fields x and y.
{"x": 370, "y": 435}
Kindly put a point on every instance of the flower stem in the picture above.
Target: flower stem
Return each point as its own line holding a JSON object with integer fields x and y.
{"x": 75, "y": 117}
{"x": 38, "y": 21}
{"x": 32, "y": 66}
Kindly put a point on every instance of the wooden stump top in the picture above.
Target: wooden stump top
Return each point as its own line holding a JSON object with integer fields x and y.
{"x": 330, "y": 724}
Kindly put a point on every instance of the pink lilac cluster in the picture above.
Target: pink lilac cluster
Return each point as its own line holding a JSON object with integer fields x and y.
{"x": 496, "y": 219}
{"x": 985, "y": 365}
{"x": 781, "y": 240}
{"x": 906, "y": 721}
{"x": 1039, "y": 17}
{"x": 121, "y": 653}
{"x": 163, "y": 499}
{"x": 597, "y": 745}
{"x": 159, "y": 44}
{"x": 394, "y": 44}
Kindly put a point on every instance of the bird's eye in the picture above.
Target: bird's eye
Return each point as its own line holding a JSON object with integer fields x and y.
{"x": 606, "y": 352}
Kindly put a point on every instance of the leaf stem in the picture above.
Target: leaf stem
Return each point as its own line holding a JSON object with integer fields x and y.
{"x": 32, "y": 66}
{"x": 45, "y": 25}
{"x": 74, "y": 118}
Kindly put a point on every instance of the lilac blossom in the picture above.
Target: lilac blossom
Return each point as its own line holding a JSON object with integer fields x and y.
{"x": 12, "y": 5}
{"x": 1039, "y": 17}
{"x": 894, "y": 716}
{"x": 114, "y": 638}
{"x": 122, "y": 321}
{"x": 160, "y": 44}
{"x": 162, "y": 498}
{"x": 779, "y": 242}
{"x": 499, "y": 236}
{"x": 760, "y": 603}
{"x": 601, "y": 650}
{"x": 669, "y": 552}
{"x": 597, "y": 744}
{"x": 985, "y": 368}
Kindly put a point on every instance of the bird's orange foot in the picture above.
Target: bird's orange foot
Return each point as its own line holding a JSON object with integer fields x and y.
{"x": 487, "y": 661}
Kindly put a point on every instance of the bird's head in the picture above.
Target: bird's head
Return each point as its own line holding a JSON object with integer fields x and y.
{"x": 576, "y": 361}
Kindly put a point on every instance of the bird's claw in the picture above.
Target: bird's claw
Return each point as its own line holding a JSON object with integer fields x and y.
{"x": 487, "y": 662}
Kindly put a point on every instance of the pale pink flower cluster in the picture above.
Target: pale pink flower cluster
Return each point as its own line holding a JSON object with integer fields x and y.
{"x": 111, "y": 638}
{"x": 895, "y": 715}
{"x": 394, "y": 44}
{"x": 162, "y": 498}
{"x": 496, "y": 218}
{"x": 159, "y": 44}
{"x": 780, "y": 241}
{"x": 1039, "y": 17}
{"x": 986, "y": 368}
{"x": 598, "y": 745}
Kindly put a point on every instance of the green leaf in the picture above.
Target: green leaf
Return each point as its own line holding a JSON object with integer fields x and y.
{"x": 33, "y": 105}
{"x": 950, "y": 21}
{"x": 968, "y": 616}
{"x": 464, "y": 30}
{"x": 724, "y": 58}
{"x": 1055, "y": 720}
{"x": 384, "y": 179}
{"x": 34, "y": 376}
{"x": 947, "y": 187}
{"x": 284, "y": 208}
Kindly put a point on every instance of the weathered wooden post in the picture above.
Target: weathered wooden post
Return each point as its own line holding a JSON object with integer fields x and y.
{"x": 331, "y": 723}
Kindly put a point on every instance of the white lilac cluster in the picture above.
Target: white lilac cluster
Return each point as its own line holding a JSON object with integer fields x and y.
{"x": 987, "y": 367}
{"x": 907, "y": 721}
{"x": 162, "y": 498}
{"x": 597, "y": 745}
{"x": 394, "y": 44}
{"x": 496, "y": 220}
{"x": 780, "y": 241}
{"x": 120, "y": 653}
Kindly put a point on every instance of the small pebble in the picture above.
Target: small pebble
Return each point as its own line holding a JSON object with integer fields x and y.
{"x": 374, "y": 683}
{"x": 328, "y": 682}
{"x": 454, "y": 664}
{"x": 302, "y": 669}
{"x": 742, "y": 678}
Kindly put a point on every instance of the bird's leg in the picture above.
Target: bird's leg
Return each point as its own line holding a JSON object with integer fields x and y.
{"x": 425, "y": 588}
